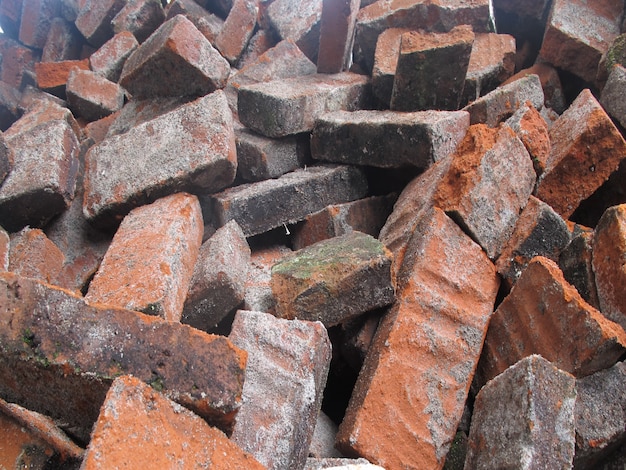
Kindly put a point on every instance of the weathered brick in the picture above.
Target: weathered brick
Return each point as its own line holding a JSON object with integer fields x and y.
{"x": 258, "y": 292}
{"x": 357, "y": 336}
{"x": 148, "y": 270}
{"x": 262, "y": 206}
{"x": 137, "y": 424}
{"x": 289, "y": 361}
{"x": 52, "y": 76}
{"x": 109, "y": 59}
{"x": 431, "y": 70}
{"x": 60, "y": 355}
{"x": 577, "y": 46}
{"x": 615, "y": 55}
{"x": 140, "y": 17}
{"x": 33, "y": 255}
{"x": 323, "y": 440}
{"x": 586, "y": 149}
{"x": 18, "y": 62}
{"x": 218, "y": 282}
{"x": 94, "y": 20}
{"x": 237, "y": 29}
{"x": 5, "y": 245}
{"x": 532, "y": 129}
{"x": 385, "y": 62}
{"x": 612, "y": 93}
{"x": 35, "y": 21}
{"x": 219, "y": 7}
{"x": 419, "y": 368}
{"x": 339, "y": 464}
{"x": 388, "y": 139}
{"x": 192, "y": 148}
{"x": 63, "y": 42}
{"x": 575, "y": 262}
{"x": 545, "y": 315}
{"x": 10, "y": 17}
{"x": 300, "y": 21}
{"x": 6, "y": 160}
{"x": 9, "y": 111}
{"x": 176, "y": 60}
{"x": 334, "y": 280}
{"x": 554, "y": 96}
{"x": 207, "y": 23}
{"x": 336, "y": 35}
{"x": 260, "y": 42}
{"x": 524, "y": 418}
{"x": 92, "y": 96}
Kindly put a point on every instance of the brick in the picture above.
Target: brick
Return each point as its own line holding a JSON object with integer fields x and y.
{"x": 524, "y": 418}
{"x": 609, "y": 244}
{"x": 367, "y": 215}
{"x": 385, "y": 62}
{"x": 219, "y": 7}
{"x": 4, "y": 250}
{"x": 6, "y": 160}
{"x": 176, "y": 60}
{"x": 487, "y": 160}
{"x": 9, "y": 110}
{"x": 42, "y": 182}
{"x": 339, "y": 464}
{"x": 418, "y": 370}
{"x": 140, "y": 17}
{"x": 554, "y": 96}
{"x": 615, "y": 55}
{"x": 137, "y": 424}
{"x": 388, "y": 139}
{"x": 18, "y": 62}
{"x": 33, "y": 255}
{"x": 192, "y": 148}
{"x": 63, "y": 42}
{"x": 323, "y": 440}
{"x": 70, "y": 8}
{"x": 577, "y": 46}
{"x": 586, "y": 149}
{"x": 260, "y": 42}
{"x": 260, "y": 158}
{"x": 612, "y": 92}
{"x": 237, "y": 29}
{"x": 147, "y": 270}
{"x": 431, "y": 70}
{"x": 524, "y": 20}
{"x": 94, "y": 20}
{"x": 600, "y": 416}
{"x": 109, "y": 59}
{"x": 264, "y": 205}
{"x": 539, "y": 231}
{"x": 501, "y": 103}
{"x": 207, "y": 23}
{"x": 357, "y": 336}
{"x": 298, "y": 20}
{"x": 217, "y": 285}
{"x": 575, "y": 262}
{"x": 290, "y": 106}
{"x": 35, "y": 21}
{"x": 60, "y": 356}
{"x": 432, "y": 16}
{"x": 41, "y": 109}
{"x": 52, "y": 76}
{"x": 289, "y": 361}
{"x": 532, "y": 129}
{"x": 258, "y": 292}
{"x": 334, "y": 280}
{"x": 92, "y": 96}
{"x": 336, "y": 35}
{"x": 539, "y": 316}
{"x": 10, "y": 17}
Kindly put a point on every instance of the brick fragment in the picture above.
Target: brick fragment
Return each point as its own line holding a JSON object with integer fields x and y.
{"x": 339, "y": 464}
{"x": 4, "y": 249}
{"x": 237, "y": 29}
{"x": 388, "y": 139}
{"x": 137, "y": 424}
{"x": 148, "y": 270}
{"x": 334, "y": 280}
{"x": 385, "y": 62}
{"x": 612, "y": 93}
{"x": 192, "y": 148}
{"x": 258, "y": 293}
{"x": 63, "y": 42}
{"x": 431, "y": 70}
{"x": 262, "y": 206}
{"x": 52, "y": 76}
{"x": 554, "y": 96}
{"x": 18, "y": 62}
{"x": 540, "y": 308}
{"x": 109, "y": 59}
{"x": 140, "y": 17}
{"x": 576, "y": 46}
{"x": 10, "y": 17}
{"x": 524, "y": 418}
{"x": 300, "y": 21}
{"x": 586, "y": 149}
{"x": 35, "y": 21}
{"x": 60, "y": 356}
{"x": 92, "y": 96}
{"x": 207, "y": 23}
{"x": 418, "y": 370}
{"x": 290, "y": 106}
{"x": 176, "y": 60}
{"x": 532, "y": 129}
{"x": 33, "y": 255}
{"x": 94, "y": 20}
{"x": 217, "y": 285}
{"x": 289, "y": 361}
{"x": 9, "y": 111}
{"x": 575, "y": 262}
{"x": 336, "y": 35}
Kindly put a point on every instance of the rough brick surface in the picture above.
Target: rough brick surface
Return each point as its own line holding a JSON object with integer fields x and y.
{"x": 218, "y": 282}
{"x": 5, "y": 245}
{"x": 9, "y": 110}
{"x": 388, "y": 139}
{"x": 237, "y": 30}
{"x": 532, "y": 129}
{"x": 289, "y": 361}
{"x": 6, "y": 160}
{"x": 18, "y": 61}
{"x": 63, "y": 42}
{"x": 192, "y": 148}
{"x": 109, "y": 59}
{"x": 576, "y": 263}
{"x": 334, "y": 280}
{"x": 33, "y": 255}
{"x": 524, "y": 418}
{"x": 94, "y": 20}
{"x": 258, "y": 296}
{"x": 91, "y": 96}
{"x": 586, "y": 149}
{"x": 140, "y": 17}
{"x": 612, "y": 93}
{"x": 35, "y": 21}
{"x": 543, "y": 306}
{"x": 419, "y": 368}
{"x": 259, "y": 207}
{"x": 149, "y": 270}
{"x": 554, "y": 96}
{"x": 323, "y": 440}
{"x": 385, "y": 62}
{"x": 339, "y": 464}
{"x": 176, "y": 60}
{"x": 207, "y": 23}
{"x": 52, "y": 76}
{"x": 300, "y": 21}
{"x": 336, "y": 35}
{"x": 137, "y": 424}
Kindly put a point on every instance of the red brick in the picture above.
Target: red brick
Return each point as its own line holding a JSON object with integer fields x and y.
{"x": 18, "y": 61}
{"x": 615, "y": 55}
{"x": 554, "y": 97}
{"x": 140, "y": 17}
{"x": 237, "y": 30}
{"x": 207, "y": 23}
{"x": 532, "y": 129}
{"x": 9, "y": 109}
{"x": 92, "y": 96}
{"x": 94, "y": 20}
{"x": 148, "y": 270}
{"x": 137, "y": 424}
{"x": 136, "y": 112}
{"x": 10, "y": 17}
{"x": 586, "y": 149}
{"x": 52, "y": 76}
{"x": 260, "y": 42}
{"x": 63, "y": 42}
{"x": 410, "y": 394}
{"x": 35, "y": 21}
{"x": 33, "y": 255}
{"x": 288, "y": 360}
{"x": 258, "y": 292}
{"x": 95, "y": 132}
{"x": 336, "y": 35}
{"x": 385, "y": 62}
{"x": 109, "y": 59}
{"x": 298, "y": 20}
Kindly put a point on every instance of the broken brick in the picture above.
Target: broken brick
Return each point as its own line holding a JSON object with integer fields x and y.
{"x": 323, "y": 440}
{"x": 237, "y": 29}
{"x": 35, "y": 21}
{"x": 207, "y": 23}
{"x": 52, "y": 76}
{"x": 33, "y": 255}
{"x": 615, "y": 55}
{"x": 532, "y": 129}
{"x": 109, "y": 60}
{"x": 18, "y": 62}
{"x": 300, "y": 21}
{"x": 140, "y": 17}
{"x": 4, "y": 250}
{"x": 94, "y": 20}
{"x": 336, "y": 35}
{"x": 64, "y": 42}
{"x": 576, "y": 263}
{"x": 385, "y": 62}
{"x": 612, "y": 93}
{"x": 258, "y": 292}
{"x": 92, "y": 96}
{"x": 554, "y": 96}
{"x": 9, "y": 112}
{"x": 6, "y": 160}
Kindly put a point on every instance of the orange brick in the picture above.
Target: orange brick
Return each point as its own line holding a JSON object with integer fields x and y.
{"x": 52, "y": 76}
{"x": 32, "y": 254}
{"x": 237, "y": 29}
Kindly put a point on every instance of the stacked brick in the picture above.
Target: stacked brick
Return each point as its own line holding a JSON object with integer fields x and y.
{"x": 312, "y": 234}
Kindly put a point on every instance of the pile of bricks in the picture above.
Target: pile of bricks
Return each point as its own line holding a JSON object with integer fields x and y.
{"x": 306, "y": 234}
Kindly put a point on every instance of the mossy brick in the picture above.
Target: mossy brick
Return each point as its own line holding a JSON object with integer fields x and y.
{"x": 109, "y": 59}
{"x": 60, "y": 355}
{"x": 288, "y": 360}
{"x": 298, "y": 20}
{"x": 337, "y": 35}
{"x": 149, "y": 270}
{"x": 334, "y": 280}
{"x": 237, "y": 30}
{"x": 217, "y": 285}
{"x": 615, "y": 55}
{"x": 418, "y": 370}
{"x": 33, "y": 255}
{"x": 290, "y": 106}
{"x": 388, "y": 139}
{"x": 92, "y": 96}
{"x": 586, "y": 148}
{"x": 94, "y": 20}
{"x": 543, "y": 314}
{"x": 612, "y": 93}
{"x": 137, "y": 424}
{"x": 264, "y": 205}
{"x": 524, "y": 417}
{"x": 140, "y": 17}
{"x": 192, "y": 149}
{"x": 63, "y": 42}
